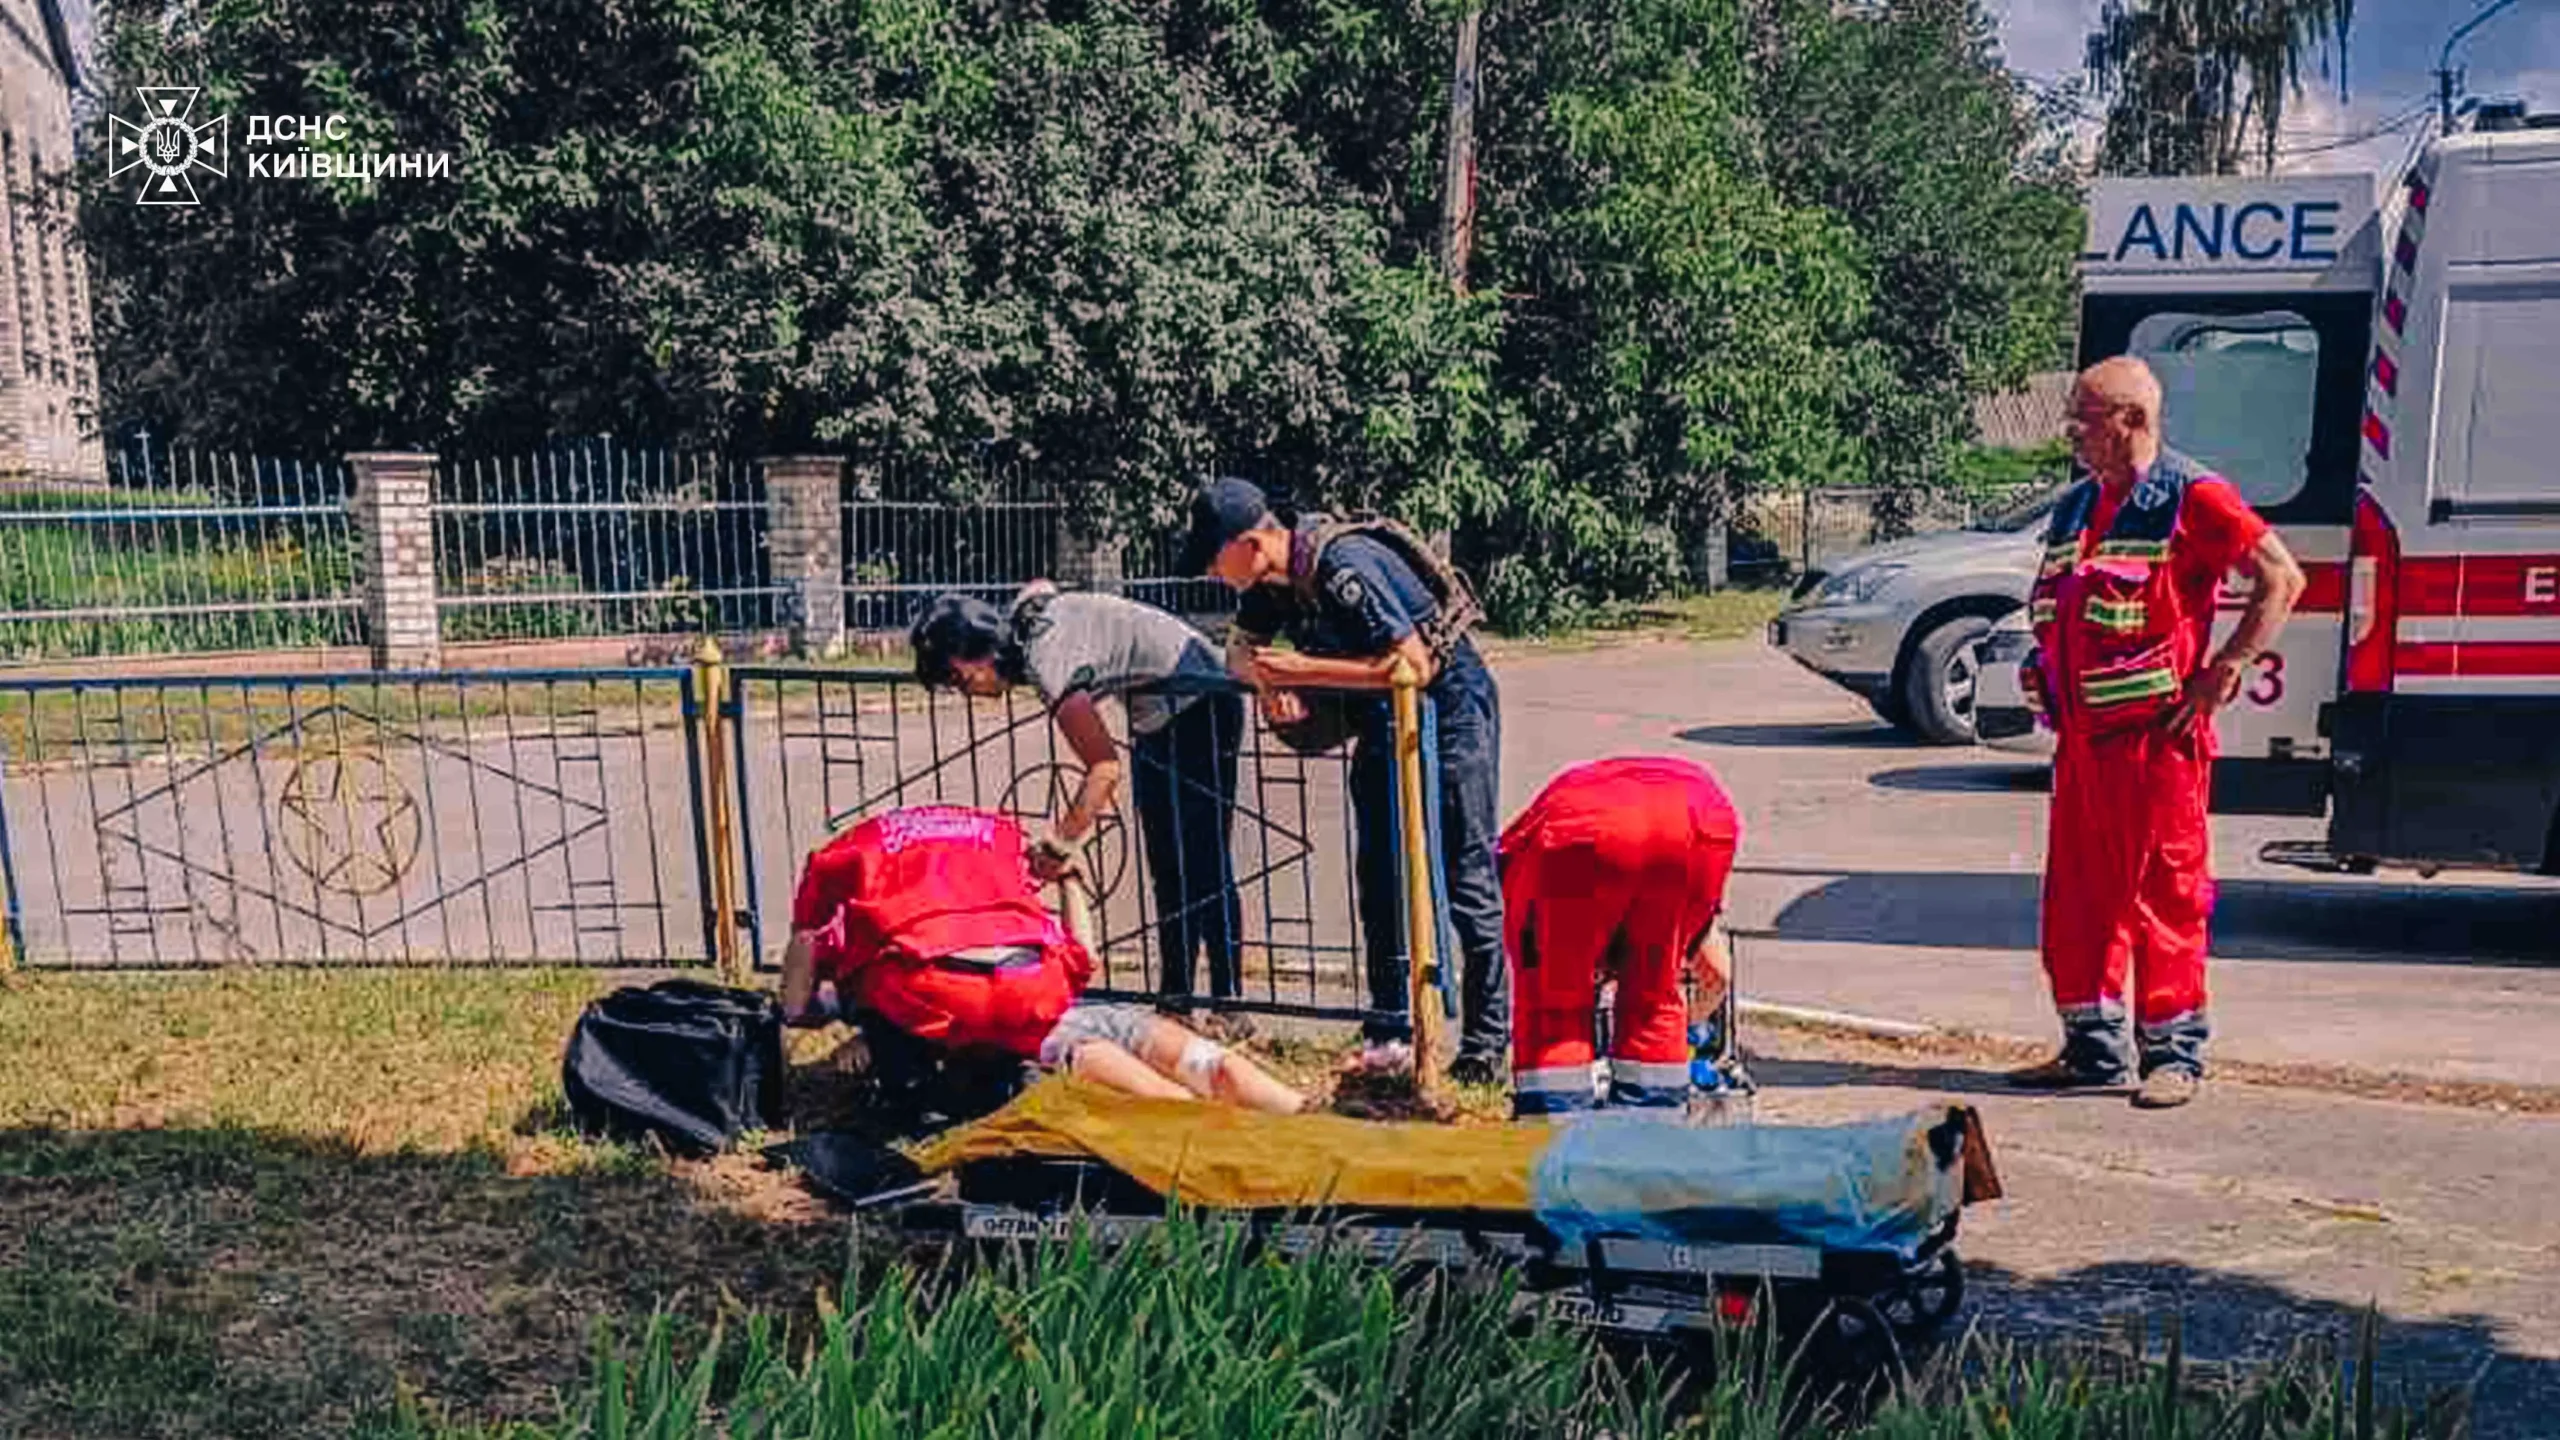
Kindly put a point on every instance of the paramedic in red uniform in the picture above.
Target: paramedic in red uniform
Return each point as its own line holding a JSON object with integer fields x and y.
{"x": 1616, "y": 870}
{"x": 2123, "y": 612}
{"x": 928, "y": 919}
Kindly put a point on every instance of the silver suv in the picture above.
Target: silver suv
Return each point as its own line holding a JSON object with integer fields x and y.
{"x": 1897, "y": 624}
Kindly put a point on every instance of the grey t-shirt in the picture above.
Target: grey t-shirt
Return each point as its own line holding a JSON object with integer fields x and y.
{"x": 1104, "y": 645}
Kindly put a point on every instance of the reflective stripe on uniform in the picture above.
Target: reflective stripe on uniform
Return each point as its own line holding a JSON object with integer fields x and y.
{"x": 2131, "y": 550}
{"x": 2124, "y": 615}
{"x": 2127, "y": 686}
{"x": 1648, "y": 1083}
{"x": 1546, "y": 1091}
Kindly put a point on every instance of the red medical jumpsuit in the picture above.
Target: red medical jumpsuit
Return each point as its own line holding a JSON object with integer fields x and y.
{"x": 929, "y": 918}
{"x": 2123, "y": 611}
{"x": 1614, "y": 870}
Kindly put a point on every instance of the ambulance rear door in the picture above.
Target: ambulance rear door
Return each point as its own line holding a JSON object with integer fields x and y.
{"x": 2253, "y": 301}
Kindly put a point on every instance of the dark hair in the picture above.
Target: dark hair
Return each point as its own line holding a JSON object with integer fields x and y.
{"x": 962, "y": 627}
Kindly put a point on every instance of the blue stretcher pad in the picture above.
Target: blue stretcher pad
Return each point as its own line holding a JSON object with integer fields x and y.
{"x": 1882, "y": 1185}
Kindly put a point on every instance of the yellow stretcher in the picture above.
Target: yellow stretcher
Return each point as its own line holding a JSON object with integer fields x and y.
{"x": 1620, "y": 1222}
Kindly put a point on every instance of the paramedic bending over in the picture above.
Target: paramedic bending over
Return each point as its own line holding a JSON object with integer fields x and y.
{"x": 1616, "y": 871}
{"x": 1076, "y": 649}
{"x": 927, "y": 923}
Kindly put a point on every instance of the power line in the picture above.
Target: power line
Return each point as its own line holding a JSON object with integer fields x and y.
{"x": 2412, "y": 114}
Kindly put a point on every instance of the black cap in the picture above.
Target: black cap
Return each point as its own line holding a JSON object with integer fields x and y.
{"x": 1224, "y": 509}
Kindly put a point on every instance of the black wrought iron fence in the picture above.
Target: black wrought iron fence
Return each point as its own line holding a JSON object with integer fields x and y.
{"x": 502, "y": 817}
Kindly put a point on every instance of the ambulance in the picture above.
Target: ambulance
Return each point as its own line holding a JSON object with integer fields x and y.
{"x": 2444, "y": 738}
{"x": 2379, "y": 375}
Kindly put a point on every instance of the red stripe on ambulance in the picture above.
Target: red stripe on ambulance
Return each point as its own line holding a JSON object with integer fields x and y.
{"x": 2480, "y": 657}
{"x": 2480, "y": 585}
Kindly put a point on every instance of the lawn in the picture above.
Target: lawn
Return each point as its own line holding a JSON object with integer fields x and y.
{"x": 264, "y": 1203}
{"x": 290, "y": 1204}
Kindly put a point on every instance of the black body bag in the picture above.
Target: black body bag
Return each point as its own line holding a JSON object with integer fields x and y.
{"x": 691, "y": 1063}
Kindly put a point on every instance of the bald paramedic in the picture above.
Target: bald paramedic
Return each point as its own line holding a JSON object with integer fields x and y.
{"x": 2125, "y": 672}
{"x": 1616, "y": 871}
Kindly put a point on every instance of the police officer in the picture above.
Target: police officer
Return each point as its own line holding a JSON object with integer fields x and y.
{"x": 1355, "y": 601}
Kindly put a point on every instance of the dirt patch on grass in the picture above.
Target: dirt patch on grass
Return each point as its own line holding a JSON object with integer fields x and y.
{"x": 1996, "y": 1053}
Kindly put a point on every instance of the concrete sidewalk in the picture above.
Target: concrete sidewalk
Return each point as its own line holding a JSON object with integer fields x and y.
{"x": 2257, "y": 1214}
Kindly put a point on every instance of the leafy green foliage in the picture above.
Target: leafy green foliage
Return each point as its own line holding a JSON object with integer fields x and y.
{"x": 2199, "y": 87}
{"x": 1187, "y": 1331}
{"x": 1726, "y": 246}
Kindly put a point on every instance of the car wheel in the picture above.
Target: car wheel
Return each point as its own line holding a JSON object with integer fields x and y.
{"x": 1890, "y": 709}
{"x": 1943, "y": 679}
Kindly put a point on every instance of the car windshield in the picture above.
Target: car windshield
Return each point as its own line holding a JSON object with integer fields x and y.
{"x": 2023, "y": 513}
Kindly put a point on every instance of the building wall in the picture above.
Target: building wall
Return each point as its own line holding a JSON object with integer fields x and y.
{"x": 48, "y": 372}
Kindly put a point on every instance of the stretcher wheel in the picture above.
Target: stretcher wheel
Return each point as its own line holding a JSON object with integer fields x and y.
{"x": 1855, "y": 1344}
{"x": 1927, "y": 1298}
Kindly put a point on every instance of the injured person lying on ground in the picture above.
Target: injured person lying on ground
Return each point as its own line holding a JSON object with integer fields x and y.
{"x": 924, "y": 928}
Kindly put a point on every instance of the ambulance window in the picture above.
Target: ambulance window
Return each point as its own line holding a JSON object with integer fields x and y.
{"x": 2501, "y": 392}
{"x": 2237, "y": 393}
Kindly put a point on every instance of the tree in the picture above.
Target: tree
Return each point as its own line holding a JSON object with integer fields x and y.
{"x": 2194, "y": 86}
{"x": 1900, "y": 120}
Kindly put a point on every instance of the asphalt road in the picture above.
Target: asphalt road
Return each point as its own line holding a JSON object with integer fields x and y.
{"x": 1891, "y": 879}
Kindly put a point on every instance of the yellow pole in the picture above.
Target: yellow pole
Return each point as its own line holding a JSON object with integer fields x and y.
{"x": 1078, "y": 905}
{"x": 1422, "y": 922}
{"x": 711, "y": 681}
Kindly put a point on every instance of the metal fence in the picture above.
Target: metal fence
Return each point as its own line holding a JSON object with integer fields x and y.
{"x": 499, "y": 817}
{"x": 594, "y": 538}
{"x": 1809, "y": 529}
{"x": 818, "y": 750}
{"x": 583, "y": 817}
{"x": 909, "y": 536}
{"x": 180, "y": 551}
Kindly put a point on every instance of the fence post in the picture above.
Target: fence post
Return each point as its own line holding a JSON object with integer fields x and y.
{"x": 804, "y": 534}
{"x": 393, "y": 510}
{"x": 711, "y": 681}
{"x": 1421, "y": 919}
{"x": 1088, "y": 562}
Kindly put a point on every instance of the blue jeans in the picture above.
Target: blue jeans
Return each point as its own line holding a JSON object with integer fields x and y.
{"x": 1183, "y": 782}
{"x": 1469, "y": 754}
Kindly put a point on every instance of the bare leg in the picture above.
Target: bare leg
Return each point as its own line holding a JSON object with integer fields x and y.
{"x": 1236, "y": 1080}
{"x": 1241, "y": 1082}
{"x": 1113, "y": 1068}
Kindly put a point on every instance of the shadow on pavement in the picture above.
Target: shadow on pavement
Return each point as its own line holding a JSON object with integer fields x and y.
{"x": 2253, "y": 920}
{"x": 2018, "y": 779}
{"x": 1783, "y": 1074}
{"x": 2228, "y": 1317}
{"x": 1845, "y": 735}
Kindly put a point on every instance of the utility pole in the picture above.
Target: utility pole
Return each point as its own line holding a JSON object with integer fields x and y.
{"x": 2446, "y": 76}
{"x": 1458, "y": 179}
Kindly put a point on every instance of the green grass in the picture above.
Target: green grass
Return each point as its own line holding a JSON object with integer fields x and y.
{"x": 1187, "y": 1332}
{"x": 260, "y": 1203}
{"x": 1731, "y": 614}
{"x": 80, "y": 565}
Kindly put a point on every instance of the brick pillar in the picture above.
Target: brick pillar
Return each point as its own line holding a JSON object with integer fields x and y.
{"x": 394, "y": 514}
{"x": 1087, "y": 562}
{"x": 804, "y": 536}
